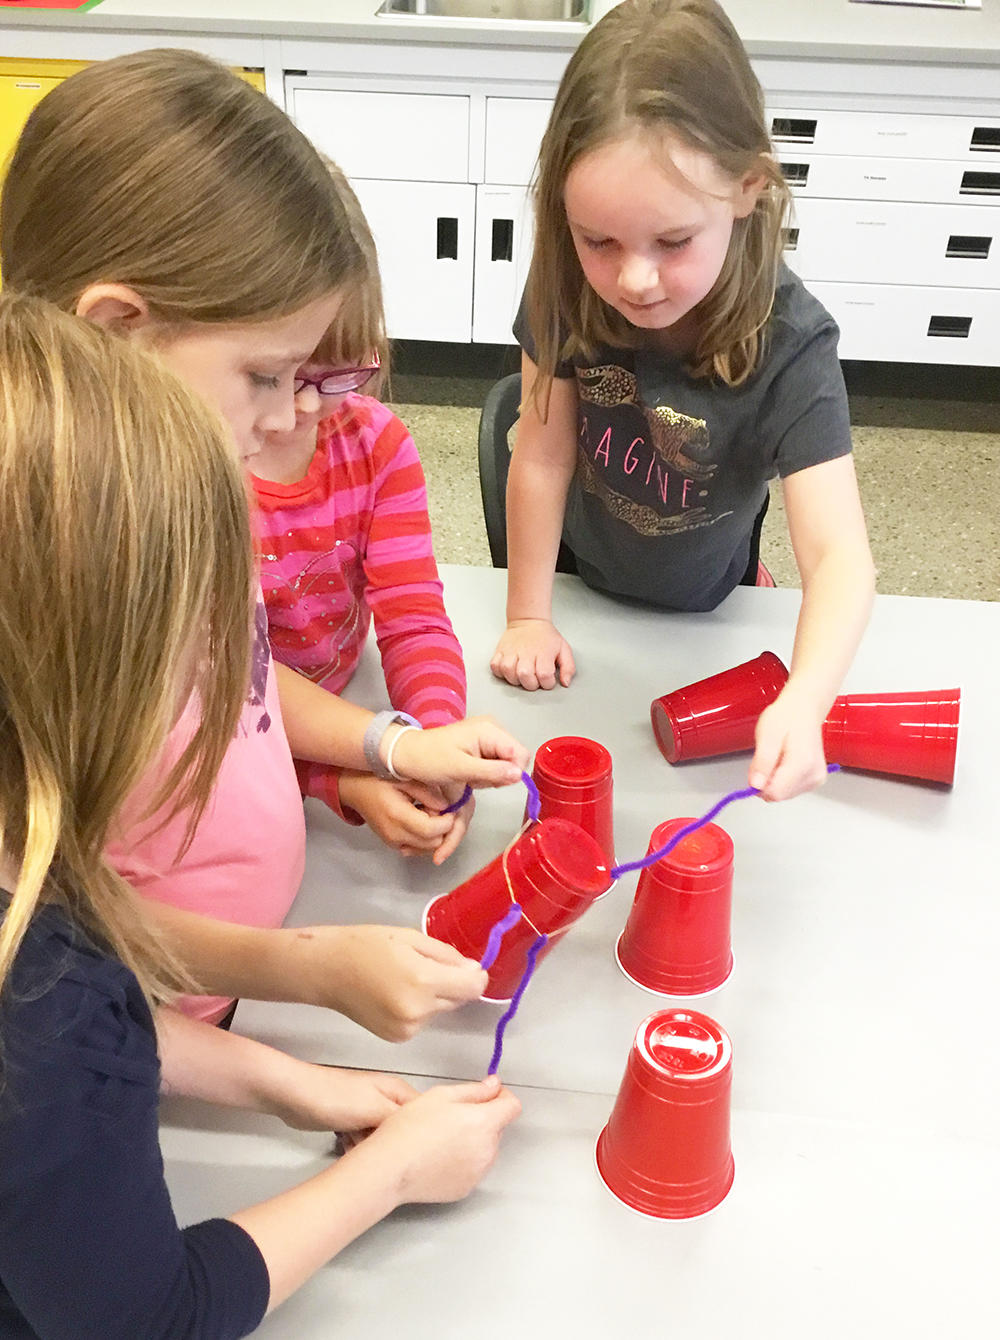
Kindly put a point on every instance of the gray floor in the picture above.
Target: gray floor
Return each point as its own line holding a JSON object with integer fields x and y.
{"x": 928, "y": 465}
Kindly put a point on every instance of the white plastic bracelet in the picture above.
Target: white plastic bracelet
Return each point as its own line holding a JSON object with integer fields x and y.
{"x": 392, "y": 749}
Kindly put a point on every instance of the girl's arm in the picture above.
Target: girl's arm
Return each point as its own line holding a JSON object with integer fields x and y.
{"x": 323, "y": 728}
{"x": 531, "y": 651}
{"x": 434, "y": 1149}
{"x": 421, "y": 656}
{"x": 827, "y": 529}
{"x": 201, "y": 1061}
{"x": 388, "y": 979}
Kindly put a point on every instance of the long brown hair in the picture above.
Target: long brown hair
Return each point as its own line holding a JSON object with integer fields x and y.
{"x": 675, "y": 67}
{"x": 164, "y": 171}
{"x": 127, "y": 586}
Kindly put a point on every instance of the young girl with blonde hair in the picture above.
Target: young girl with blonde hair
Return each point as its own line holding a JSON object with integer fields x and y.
{"x": 128, "y": 586}
{"x": 672, "y": 365}
{"x": 209, "y": 229}
{"x": 345, "y": 540}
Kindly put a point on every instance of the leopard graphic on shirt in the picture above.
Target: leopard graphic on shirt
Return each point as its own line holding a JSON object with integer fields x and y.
{"x": 260, "y": 659}
{"x": 649, "y": 452}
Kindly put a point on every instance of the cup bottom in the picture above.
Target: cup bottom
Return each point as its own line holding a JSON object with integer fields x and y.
{"x": 648, "y": 1214}
{"x": 673, "y": 995}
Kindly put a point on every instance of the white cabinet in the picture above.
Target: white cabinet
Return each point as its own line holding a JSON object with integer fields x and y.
{"x": 443, "y": 180}
{"x": 896, "y": 228}
{"x": 504, "y": 235}
{"x": 424, "y": 232}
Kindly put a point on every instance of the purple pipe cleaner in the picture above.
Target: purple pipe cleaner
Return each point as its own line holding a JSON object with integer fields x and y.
{"x": 533, "y": 952}
{"x": 505, "y": 924}
{"x": 534, "y": 799}
{"x": 457, "y": 804}
{"x": 692, "y": 827}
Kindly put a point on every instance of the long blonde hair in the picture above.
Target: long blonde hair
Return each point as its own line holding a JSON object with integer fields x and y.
{"x": 127, "y": 586}
{"x": 675, "y": 67}
{"x": 164, "y": 171}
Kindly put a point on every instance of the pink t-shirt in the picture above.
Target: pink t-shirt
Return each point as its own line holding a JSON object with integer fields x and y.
{"x": 246, "y": 861}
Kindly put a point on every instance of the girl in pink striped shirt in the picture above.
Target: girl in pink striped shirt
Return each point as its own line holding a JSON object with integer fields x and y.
{"x": 344, "y": 536}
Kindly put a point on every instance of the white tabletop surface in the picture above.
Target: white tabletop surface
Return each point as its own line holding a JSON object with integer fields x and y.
{"x": 866, "y": 1085}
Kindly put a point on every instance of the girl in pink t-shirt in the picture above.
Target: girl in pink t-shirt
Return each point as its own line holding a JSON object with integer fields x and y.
{"x": 210, "y": 230}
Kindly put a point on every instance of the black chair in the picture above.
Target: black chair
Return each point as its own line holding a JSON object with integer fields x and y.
{"x": 497, "y": 419}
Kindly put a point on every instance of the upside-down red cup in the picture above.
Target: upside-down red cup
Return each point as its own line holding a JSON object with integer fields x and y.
{"x": 676, "y": 941}
{"x": 905, "y": 734}
{"x": 556, "y": 871}
{"x": 666, "y": 1149}
{"x": 574, "y": 780}
{"x": 717, "y": 715}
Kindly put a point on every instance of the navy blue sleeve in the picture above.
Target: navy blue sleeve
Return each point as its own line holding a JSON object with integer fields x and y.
{"x": 89, "y": 1245}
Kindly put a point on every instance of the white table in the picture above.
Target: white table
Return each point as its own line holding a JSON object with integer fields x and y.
{"x": 862, "y": 1008}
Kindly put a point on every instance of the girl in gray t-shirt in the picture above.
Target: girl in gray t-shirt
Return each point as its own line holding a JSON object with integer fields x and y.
{"x": 672, "y": 365}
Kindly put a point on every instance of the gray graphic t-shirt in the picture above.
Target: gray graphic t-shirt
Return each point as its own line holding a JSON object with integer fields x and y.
{"x": 672, "y": 471}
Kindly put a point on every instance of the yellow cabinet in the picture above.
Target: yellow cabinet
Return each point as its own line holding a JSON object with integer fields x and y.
{"x": 23, "y": 83}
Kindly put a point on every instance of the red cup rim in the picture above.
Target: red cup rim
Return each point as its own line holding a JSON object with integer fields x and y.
{"x": 650, "y": 1214}
{"x": 671, "y": 995}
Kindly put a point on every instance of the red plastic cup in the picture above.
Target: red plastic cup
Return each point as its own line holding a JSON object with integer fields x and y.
{"x": 676, "y": 941}
{"x": 905, "y": 734}
{"x": 666, "y": 1149}
{"x": 717, "y": 715}
{"x": 573, "y": 776}
{"x": 556, "y": 871}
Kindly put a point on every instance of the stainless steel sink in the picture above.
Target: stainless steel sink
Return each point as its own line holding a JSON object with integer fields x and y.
{"x": 536, "y": 11}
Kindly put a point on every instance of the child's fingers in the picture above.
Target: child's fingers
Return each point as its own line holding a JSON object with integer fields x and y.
{"x": 567, "y": 666}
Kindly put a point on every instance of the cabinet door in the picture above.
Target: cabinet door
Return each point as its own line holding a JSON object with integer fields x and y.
{"x": 424, "y": 235}
{"x": 387, "y": 136}
{"x": 504, "y": 236}
{"x": 899, "y": 323}
{"x": 886, "y": 134}
{"x": 872, "y": 242}
{"x": 18, "y": 95}
{"x": 514, "y": 130}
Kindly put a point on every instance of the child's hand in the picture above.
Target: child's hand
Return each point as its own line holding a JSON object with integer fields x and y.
{"x": 531, "y": 652}
{"x": 789, "y": 755}
{"x": 405, "y": 815}
{"x": 445, "y": 1141}
{"x": 475, "y": 751}
{"x": 323, "y": 1098}
{"x": 388, "y": 979}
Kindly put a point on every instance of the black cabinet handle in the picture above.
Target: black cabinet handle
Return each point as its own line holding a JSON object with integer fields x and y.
{"x": 796, "y": 174}
{"x": 447, "y": 239}
{"x": 950, "y": 327}
{"x": 986, "y": 139}
{"x": 502, "y": 248}
{"x": 980, "y": 183}
{"x": 799, "y": 129}
{"x": 790, "y": 238}
{"x": 968, "y": 248}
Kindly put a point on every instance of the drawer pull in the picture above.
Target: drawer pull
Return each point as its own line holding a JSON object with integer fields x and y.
{"x": 986, "y": 139}
{"x": 447, "y": 239}
{"x": 796, "y": 174}
{"x": 968, "y": 248}
{"x": 790, "y": 238}
{"x": 980, "y": 183}
{"x": 950, "y": 327}
{"x": 503, "y": 240}
{"x": 798, "y": 129}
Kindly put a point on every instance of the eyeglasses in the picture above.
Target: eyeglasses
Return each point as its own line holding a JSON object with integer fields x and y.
{"x": 338, "y": 381}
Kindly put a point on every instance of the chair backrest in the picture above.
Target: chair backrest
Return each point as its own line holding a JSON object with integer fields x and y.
{"x": 498, "y": 417}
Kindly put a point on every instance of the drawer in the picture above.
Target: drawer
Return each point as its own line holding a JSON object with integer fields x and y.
{"x": 886, "y": 323}
{"x": 886, "y": 134}
{"x": 877, "y": 242}
{"x": 514, "y": 130}
{"x": 387, "y": 136}
{"x": 850, "y": 178}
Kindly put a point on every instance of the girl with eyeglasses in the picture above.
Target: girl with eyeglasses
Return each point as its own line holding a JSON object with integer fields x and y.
{"x": 209, "y": 230}
{"x": 345, "y": 539}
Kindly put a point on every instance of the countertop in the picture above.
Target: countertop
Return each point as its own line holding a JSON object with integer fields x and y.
{"x": 827, "y": 29}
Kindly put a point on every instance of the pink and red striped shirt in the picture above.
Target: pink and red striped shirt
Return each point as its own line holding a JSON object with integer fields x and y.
{"x": 349, "y": 541}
